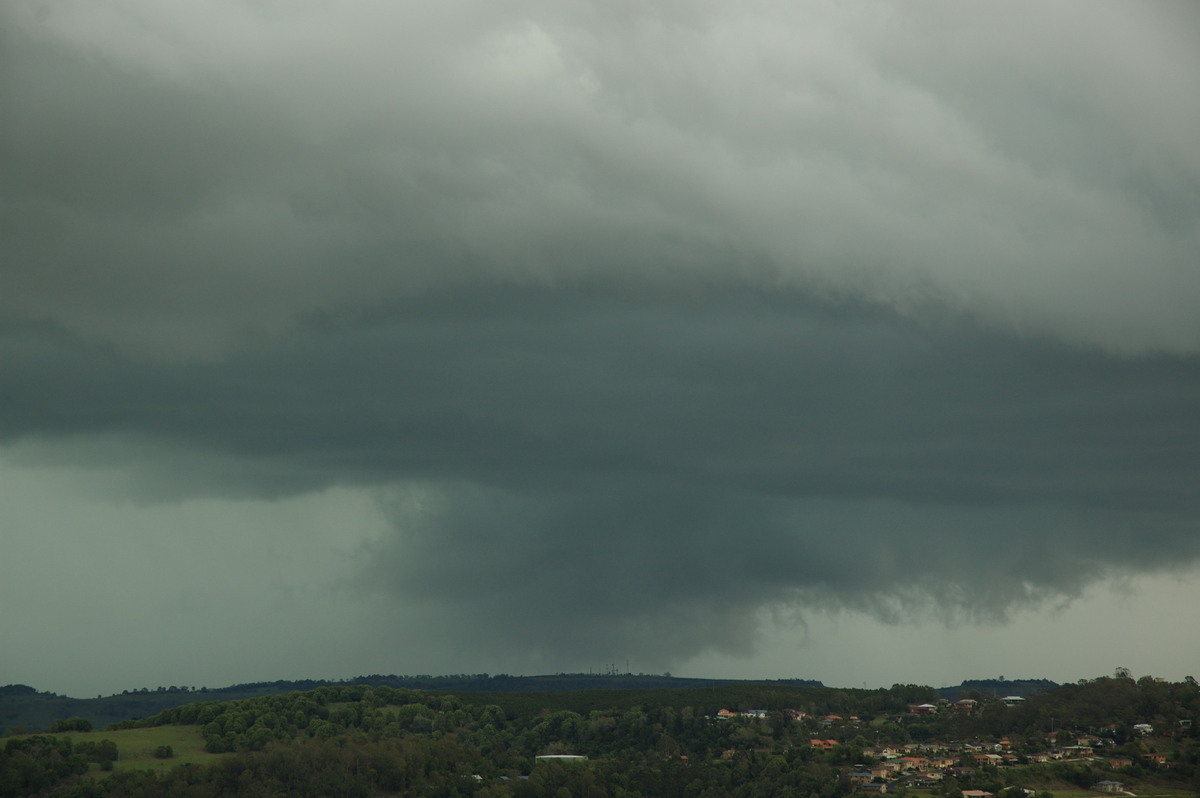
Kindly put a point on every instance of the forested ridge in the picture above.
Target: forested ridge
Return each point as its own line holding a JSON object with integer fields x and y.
{"x": 363, "y": 740}
{"x": 24, "y": 708}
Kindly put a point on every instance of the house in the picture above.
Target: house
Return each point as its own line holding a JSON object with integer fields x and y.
{"x": 965, "y": 705}
{"x": 1155, "y": 759}
{"x": 726, "y": 713}
{"x": 1012, "y": 700}
{"x": 1108, "y": 785}
{"x": 822, "y": 745}
{"x": 861, "y": 777}
{"x": 876, "y": 787}
{"x": 922, "y": 709}
{"x": 1143, "y": 728}
{"x": 977, "y": 794}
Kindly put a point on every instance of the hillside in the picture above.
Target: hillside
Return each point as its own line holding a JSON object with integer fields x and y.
{"x": 23, "y": 708}
{"x": 723, "y": 741}
{"x": 976, "y": 688}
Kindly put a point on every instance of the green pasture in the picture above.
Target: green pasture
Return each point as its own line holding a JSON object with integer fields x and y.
{"x": 135, "y": 747}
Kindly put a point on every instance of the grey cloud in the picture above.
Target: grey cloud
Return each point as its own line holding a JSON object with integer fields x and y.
{"x": 203, "y": 184}
{"x": 646, "y": 317}
{"x": 577, "y": 474}
{"x": 666, "y": 572}
{"x": 746, "y": 386}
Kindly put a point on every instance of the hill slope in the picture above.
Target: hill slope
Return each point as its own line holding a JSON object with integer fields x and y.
{"x": 23, "y": 708}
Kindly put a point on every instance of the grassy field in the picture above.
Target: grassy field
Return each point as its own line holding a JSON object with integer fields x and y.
{"x": 135, "y": 747}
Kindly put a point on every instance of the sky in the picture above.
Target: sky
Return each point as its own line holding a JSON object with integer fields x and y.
{"x": 846, "y": 341}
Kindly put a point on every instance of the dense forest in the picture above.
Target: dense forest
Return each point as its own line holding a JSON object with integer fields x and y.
{"x": 732, "y": 740}
{"x": 25, "y": 708}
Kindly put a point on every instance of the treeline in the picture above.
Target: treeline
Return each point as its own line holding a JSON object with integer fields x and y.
{"x": 365, "y": 740}
{"x": 590, "y": 722}
{"x": 1108, "y": 706}
{"x": 34, "y": 765}
{"x": 512, "y": 734}
{"x": 360, "y": 741}
{"x": 444, "y": 767}
{"x": 24, "y": 709}
{"x": 509, "y": 729}
{"x": 997, "y": 687}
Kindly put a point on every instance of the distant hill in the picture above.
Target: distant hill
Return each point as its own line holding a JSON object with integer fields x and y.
{"x": 997, "y": 687}
{"x": 734, "y": 738}
{"x": 562, "y": 682}
{"x": 24, "y": 708}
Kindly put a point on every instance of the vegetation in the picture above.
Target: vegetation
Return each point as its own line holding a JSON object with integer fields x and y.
{"x": 23, "y": 709}
{"x": 368, "y": 740}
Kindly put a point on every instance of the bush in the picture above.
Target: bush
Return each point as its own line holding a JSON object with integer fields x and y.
{"x": 164, "y": 752}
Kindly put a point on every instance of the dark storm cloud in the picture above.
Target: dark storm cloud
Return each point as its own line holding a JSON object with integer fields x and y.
{"x": 741, "y": 386}
{"x": 582, "y": 474}
{"x": 648, "y": 319}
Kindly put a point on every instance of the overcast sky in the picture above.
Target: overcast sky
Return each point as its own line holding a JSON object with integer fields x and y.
{"x": 837, "y": 340}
